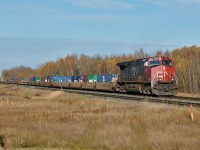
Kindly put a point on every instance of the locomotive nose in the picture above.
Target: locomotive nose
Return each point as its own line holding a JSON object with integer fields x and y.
{"x": 163, "y": 73}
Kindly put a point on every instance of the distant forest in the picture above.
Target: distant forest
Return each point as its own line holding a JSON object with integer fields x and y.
{"x": 186, "y": 60}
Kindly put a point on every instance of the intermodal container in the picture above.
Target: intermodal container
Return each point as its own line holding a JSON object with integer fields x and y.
{"x": 62, "y": 78}
{"x": 48, "y": 78}
{"x": 85, "y": 78}
{"x": 38, "y": 79}
{"x": 19, "y": 79}
{"x": 81, "y": 79}
{"x": 76, "y": 78}
{"x": 92, "y": 78}
{"x": 100, "y": 78}
{"x": 23, "y": 80}
{"x": 65, "y": 78}
{"x": 106, "y": 77}
{"x": 34, "y": 79}
{"x": 57, "y": 79}
{"x": 68, "y": 78}
{"x": 112, "y": 77}
{"x": 43, "y": 79}
{"x": 30, "y": 79}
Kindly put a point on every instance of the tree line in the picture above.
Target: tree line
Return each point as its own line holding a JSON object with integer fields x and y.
{"x": 186, "y": 60}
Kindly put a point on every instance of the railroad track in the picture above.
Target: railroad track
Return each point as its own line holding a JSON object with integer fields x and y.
{"x": 185, "y": 101}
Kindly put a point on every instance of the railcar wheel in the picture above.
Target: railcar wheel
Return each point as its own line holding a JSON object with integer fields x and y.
{"x": 140, "y": 89}
{"x": 122, "y": 89}
{"x": 149, "y": 92}
{"x": 144, "y": 91}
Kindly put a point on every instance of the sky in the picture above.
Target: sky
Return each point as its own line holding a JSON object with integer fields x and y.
{"x": 33, "y": 32}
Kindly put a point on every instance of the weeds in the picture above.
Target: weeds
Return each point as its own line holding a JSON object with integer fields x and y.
{"x": 38, "y": 94}
{"x": 27, "y": 97}
{"x": 2, "y": 142}
{"x": 45, "y": 119}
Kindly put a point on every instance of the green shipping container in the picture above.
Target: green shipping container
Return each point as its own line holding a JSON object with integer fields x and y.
{"x": 23, "y": 80}
{"x": 38, "y": 79}
{"x": 92, "y": 78}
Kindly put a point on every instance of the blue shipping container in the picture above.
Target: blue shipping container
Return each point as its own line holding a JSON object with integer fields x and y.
{"x": 100, "y": 78}
{"x": 115, "y": 76}
{"x": 75, "y": 78}
{"x": 53, "y": 78}
{"x": 106, "y": 77}
{"x": 34, "y": 79}
{"x": 65, "y": 78}
{"x": 48, "y": 78}
{"x": 69, "y": 78}
{"x": 81, "y": 79}
{"x": 62, "y": 79}
{"x": 57, "y": 79}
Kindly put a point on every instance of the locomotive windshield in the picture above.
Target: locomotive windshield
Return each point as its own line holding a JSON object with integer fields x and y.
{"x": 155, "y": 63}
{"x": 167, "y": 62}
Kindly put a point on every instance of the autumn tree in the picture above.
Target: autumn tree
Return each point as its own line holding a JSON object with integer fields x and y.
{"x": 186, "y": 60}
{"x": 187, "y": 63}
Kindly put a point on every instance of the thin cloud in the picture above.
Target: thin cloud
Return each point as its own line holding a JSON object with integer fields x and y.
{"x": 93, "y": 18}
{"x": 155, "y": 2}
{"x": 101, "y": 4}
{"x": 27, "y": 7}
{"x": 163, "y": 3}
{"x": 190, "y": 2}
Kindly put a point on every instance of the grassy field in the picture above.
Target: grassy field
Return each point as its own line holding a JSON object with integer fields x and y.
{"x": 188, "y": 95}
{"x": 32, "y": 118}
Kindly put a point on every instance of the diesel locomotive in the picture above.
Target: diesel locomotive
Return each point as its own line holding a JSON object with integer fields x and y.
{"x": 153, "y": 75}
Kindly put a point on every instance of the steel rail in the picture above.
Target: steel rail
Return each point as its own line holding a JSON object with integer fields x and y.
{"x": 168, "y": 100}
{"x": 186, "y": 101}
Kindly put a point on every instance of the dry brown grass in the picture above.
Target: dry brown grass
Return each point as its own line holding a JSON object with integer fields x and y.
{"x": 31, "y": 118}
{"x": 188, "y": 95}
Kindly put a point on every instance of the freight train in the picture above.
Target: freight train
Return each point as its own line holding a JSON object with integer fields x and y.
{"x": 153, "y": 75}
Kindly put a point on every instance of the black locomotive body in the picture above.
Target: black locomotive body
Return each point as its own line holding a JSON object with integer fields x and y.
{"x": 131, "y": 71}
{"x": 131, "y": 76}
